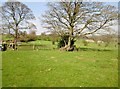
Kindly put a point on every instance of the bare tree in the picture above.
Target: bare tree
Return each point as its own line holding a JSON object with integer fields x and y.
{"x": 78, "y": 18}
{"x": 15, "y": 16}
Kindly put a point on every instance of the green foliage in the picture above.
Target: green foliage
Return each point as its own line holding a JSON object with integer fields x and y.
{"x": 63, "y": 41}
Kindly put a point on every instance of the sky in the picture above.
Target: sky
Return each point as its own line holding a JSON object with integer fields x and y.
{"x": 38, "y": 9}
{"x": 40, "y": 6}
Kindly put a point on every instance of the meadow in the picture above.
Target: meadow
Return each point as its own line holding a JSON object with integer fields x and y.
{"x": 46, "y": 66}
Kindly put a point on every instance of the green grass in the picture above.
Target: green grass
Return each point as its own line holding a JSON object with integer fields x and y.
{"x": 91, "y": 66}
{"x": 0, "y": 69}
{"x": 53, "y": 68}
{"x": 111, "y": 46}
{"x": 40, "y": 44}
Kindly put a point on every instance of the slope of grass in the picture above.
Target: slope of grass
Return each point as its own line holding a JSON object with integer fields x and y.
{"x": 51, "y": 68}
{"x": 94, "y": 45}
{"x": 38, "y": 45}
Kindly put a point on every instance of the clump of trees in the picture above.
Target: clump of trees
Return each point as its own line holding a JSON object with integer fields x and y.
{"x": 49, "y": 37}
{"x": 78, "y": 19}
{"x": 24, "y": 37}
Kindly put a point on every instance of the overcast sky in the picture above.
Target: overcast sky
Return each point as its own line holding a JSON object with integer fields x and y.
{"x": 39, "y": 7}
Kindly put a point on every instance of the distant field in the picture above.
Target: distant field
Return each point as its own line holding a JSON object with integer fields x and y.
{"x": 40, "y": 44}
{"x": 91, "y": 66}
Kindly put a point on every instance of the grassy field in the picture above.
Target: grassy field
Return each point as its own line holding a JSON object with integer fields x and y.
{"x": 0, "y": 69}
{"x": 91, "y": 66}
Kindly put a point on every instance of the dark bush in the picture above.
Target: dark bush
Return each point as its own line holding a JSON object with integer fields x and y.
{"x": 63, "y": 40}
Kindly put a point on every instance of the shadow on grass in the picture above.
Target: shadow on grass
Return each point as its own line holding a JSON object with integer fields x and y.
{"x": 93, "y": 49}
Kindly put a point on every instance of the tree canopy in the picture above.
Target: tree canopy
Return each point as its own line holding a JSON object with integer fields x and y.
{"x": 15, "y": 16}
{"x": 79, "y": 18}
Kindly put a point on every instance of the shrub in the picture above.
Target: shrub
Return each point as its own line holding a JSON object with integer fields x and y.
{"x": 63, "y": 40}
{"x": 27, "y": 38}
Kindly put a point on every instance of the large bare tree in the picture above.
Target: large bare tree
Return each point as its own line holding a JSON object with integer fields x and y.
{"x": 15, "y": 16}
{"x": 79, "y": 18}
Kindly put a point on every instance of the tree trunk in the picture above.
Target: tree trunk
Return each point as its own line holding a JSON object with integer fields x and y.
{"x": 16, "y": 38}
{"x": 70, "y": 46}
{"x": 71, "y": 40}
{"x": 9, "y": 32}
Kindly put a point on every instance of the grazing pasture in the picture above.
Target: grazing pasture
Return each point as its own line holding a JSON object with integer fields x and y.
{"x": 91, "y": 66}
{"x": 59, "y": 45}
